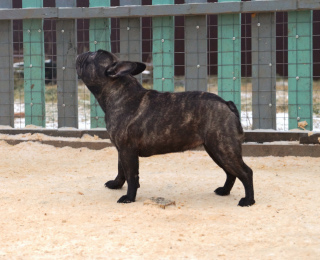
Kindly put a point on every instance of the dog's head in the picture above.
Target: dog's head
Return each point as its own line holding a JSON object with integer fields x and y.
{"x": 95, "y": 68}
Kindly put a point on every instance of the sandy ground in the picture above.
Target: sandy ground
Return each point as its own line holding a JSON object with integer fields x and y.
{"x": 54, "y": 206}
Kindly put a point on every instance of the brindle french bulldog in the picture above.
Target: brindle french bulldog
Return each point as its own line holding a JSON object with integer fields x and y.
{"x": 144, "y": 122}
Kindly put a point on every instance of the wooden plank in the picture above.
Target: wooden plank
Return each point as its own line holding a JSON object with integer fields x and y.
{"x": 6, "y": 4}
{"x": 280, "y": 150}
{"x": 130, "y": 36}
{"x": 196, "y": 53}
{"x": 99, "y": 38}
{"x": 264, "y": 71}
{"x": 312, "y": 139}
{"x": 34, "y": 68}
{"x": 194, "y": 9}
{"x": 6, "y": 70}
{"x": 67, "y": 83}
{"x": 130, "y": 39}
{"x": 161, "y": 10}
{"x": 300, "y": 68}
{"x": 32, "y": 3}
{"x": 130, "y": 2}
{"x": 163, "y": 50}
{"x": 66, "y": 3}
{"x": 229, "y": 57}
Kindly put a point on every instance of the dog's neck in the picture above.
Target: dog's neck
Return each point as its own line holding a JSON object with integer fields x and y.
{"x": 110, "y": 93}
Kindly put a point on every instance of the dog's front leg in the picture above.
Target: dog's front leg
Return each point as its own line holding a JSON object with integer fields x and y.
{"x": 130, "y": 165}
{"x": 118, "y": 182}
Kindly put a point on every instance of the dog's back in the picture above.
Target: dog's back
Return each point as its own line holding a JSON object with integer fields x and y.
{"x": 173, "y": 122}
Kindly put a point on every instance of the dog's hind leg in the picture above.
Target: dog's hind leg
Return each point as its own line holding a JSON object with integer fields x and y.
{"x": 225, "y": 190}
{"x": 228, "y": 155}
{"x": 118, "y": 182}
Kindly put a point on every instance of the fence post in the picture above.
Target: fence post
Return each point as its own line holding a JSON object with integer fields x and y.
{"x": 196, "y": 51}
{"x": 99, "y": 37}
{"x": 163, "y": 50}
{"x": 300, "y": 68}
{"x": 229, "y": 57}
{"x": 6, "y": 70}
{"x": 263, "y": 71}
{"x": 67, "y": 83}
{"x": 34, "y": 67}
{"x": 130, "y": 36}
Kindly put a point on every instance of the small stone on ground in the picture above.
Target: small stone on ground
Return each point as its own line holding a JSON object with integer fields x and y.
{"x": 159, "y": 201}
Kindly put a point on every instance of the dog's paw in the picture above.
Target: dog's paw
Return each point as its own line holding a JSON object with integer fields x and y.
{"x": 245, "y": 202}
{"x": 222, "y": 191}
{"x": 125, "y": 199}
{"x": 114, "y": 185}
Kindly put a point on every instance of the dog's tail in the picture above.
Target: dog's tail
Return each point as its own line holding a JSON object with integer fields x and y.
{"x": 234, "y": 109}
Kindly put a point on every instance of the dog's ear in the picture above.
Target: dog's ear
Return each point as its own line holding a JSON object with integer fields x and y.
{"x": 139, "y": 68}
{"x": 122, "y": 68}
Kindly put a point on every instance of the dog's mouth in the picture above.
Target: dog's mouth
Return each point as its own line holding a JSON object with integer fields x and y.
{"x": 81, "y": 59}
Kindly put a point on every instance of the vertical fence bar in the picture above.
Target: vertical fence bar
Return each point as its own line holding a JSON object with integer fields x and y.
{"x": 6, "y": 70}
{"x": 263, "y": 71}
{"x": 34, "y": 67}
{"x": 229, "y": 57}
{"x": 163, "y": 50}
{"x": 67, "y": 83}
{"x": 99, "y": 37}
{"x": 300, "y": 68}
{"x": 196, "y": 51}
{"x": 130, "y": 36}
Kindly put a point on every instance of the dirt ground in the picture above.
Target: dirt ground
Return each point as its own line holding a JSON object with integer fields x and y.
{"x": 54, "y": 206}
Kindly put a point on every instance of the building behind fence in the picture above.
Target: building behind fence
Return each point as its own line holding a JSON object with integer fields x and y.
{"x": 262, "y": 55}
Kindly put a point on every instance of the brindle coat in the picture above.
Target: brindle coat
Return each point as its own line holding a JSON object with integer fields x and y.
{"x": 144, "y": 122}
